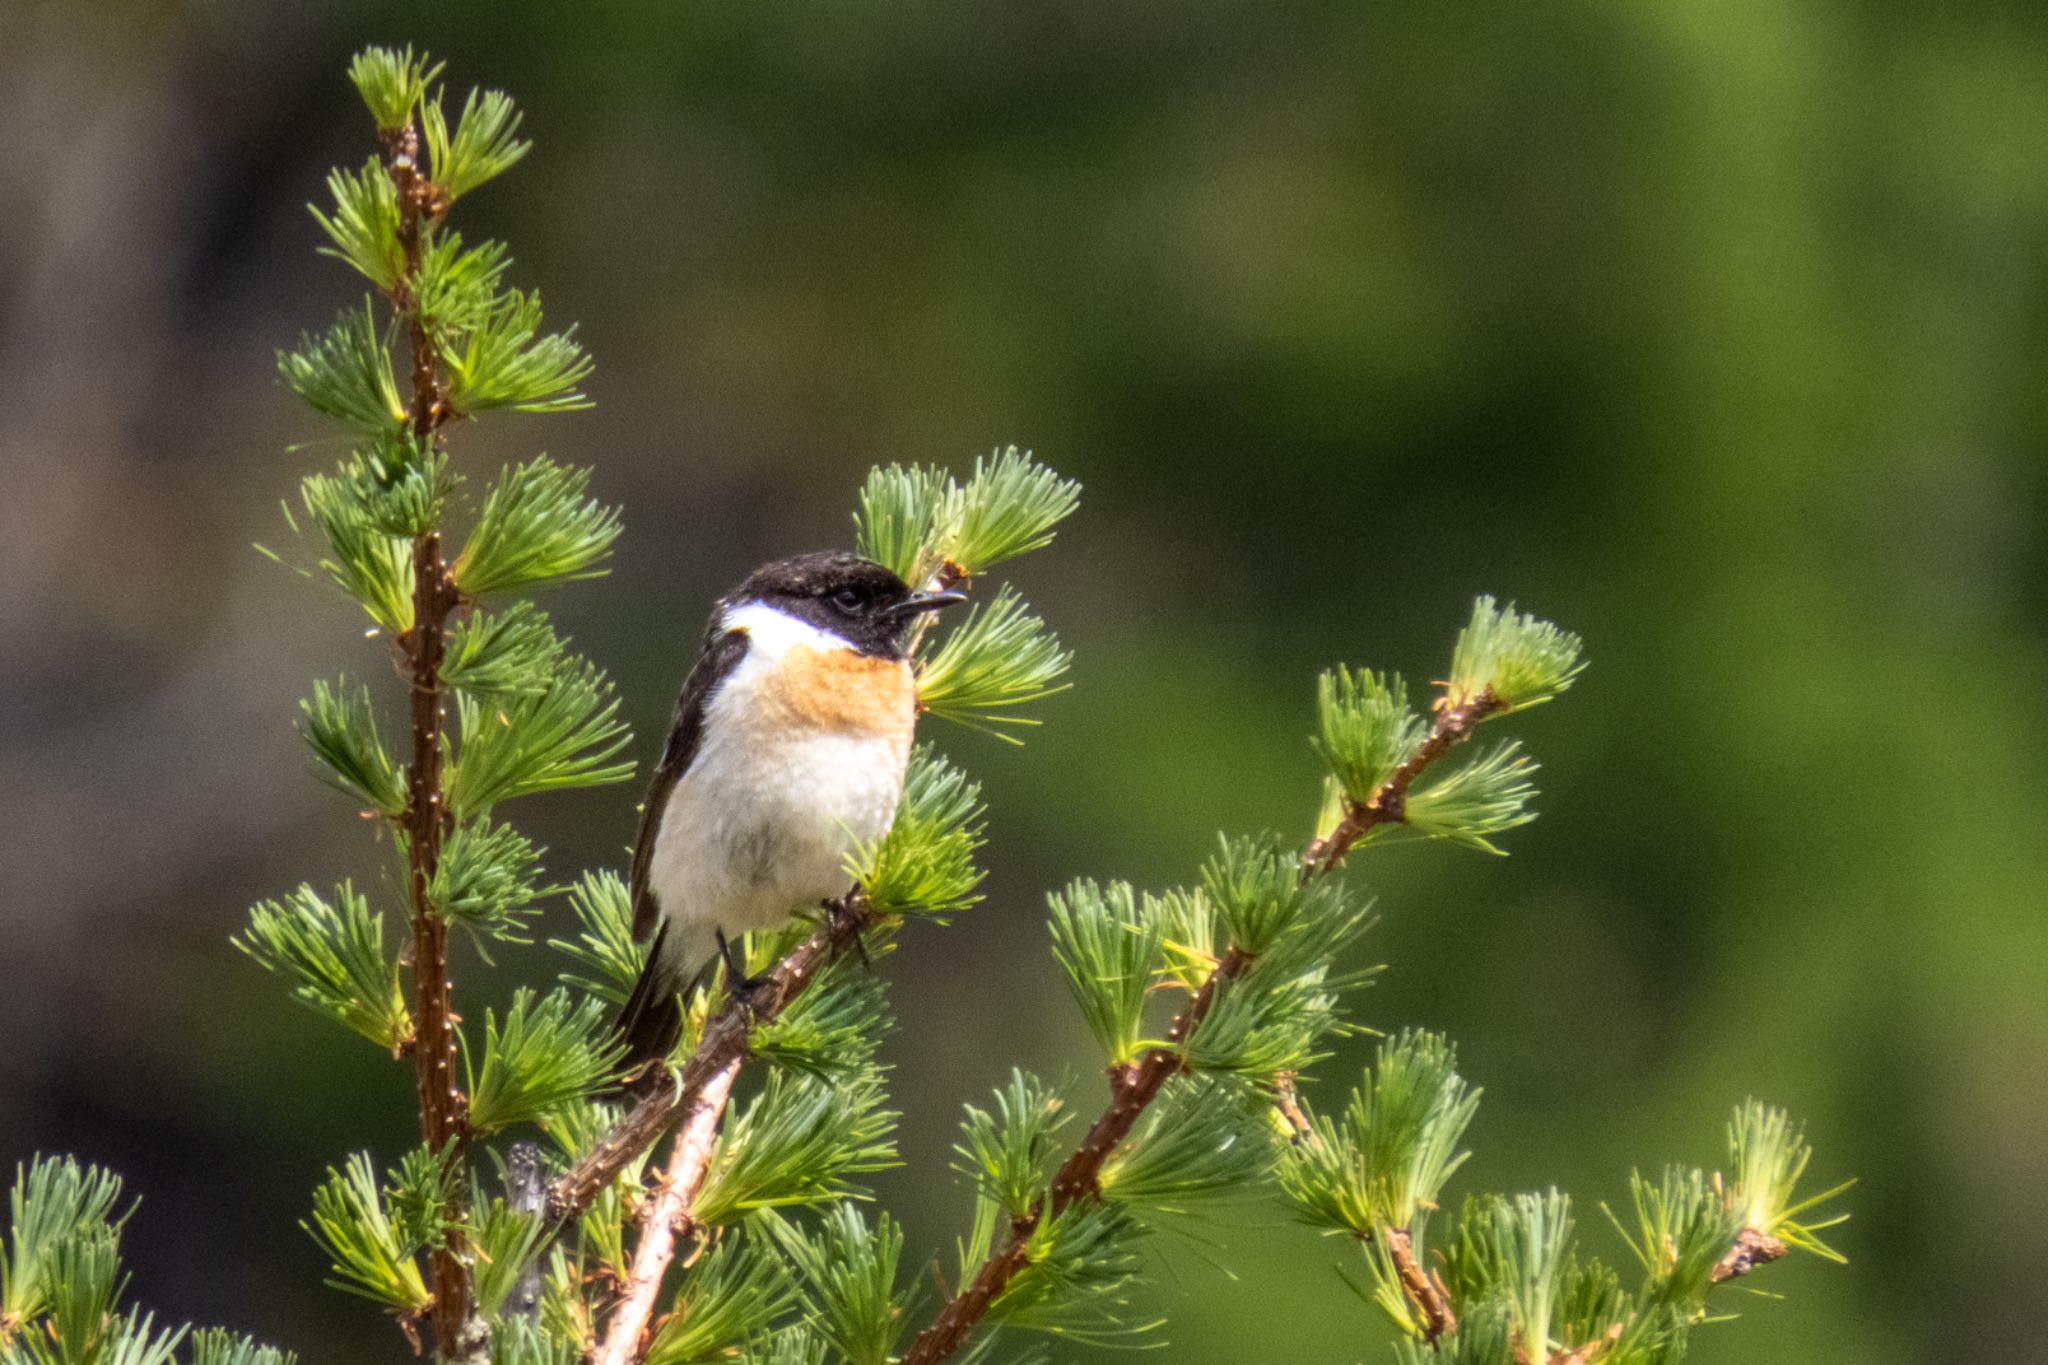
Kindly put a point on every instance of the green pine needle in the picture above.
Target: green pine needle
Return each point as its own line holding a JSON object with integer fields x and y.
{"x": 729, "y": 1298}
{"x": 345, "y": 373}
{"x": 1487, "y": 796}
{"x": 899, "y": 507}
{"x": 1007, "y": 1150}
{"x": 417, "y": 1194}
{"x": 997, "y": 659}
{"x": 1187, "y": 935}
{"x": 1769, "y": 1154}
{"x": 371, "y": 565}
{"x": 1277, "y": 1013}
{"x": 1683, "y": 1226}
{"x": 1205, "y": 1139}
{"x": 537, "y": 526}
{"x": 504, "y": 361}
{"x": 1367, "y": 728}
{"x": 1514, "y": 1250}
{"x": 793, "y": 1344}
{"x": 919, "y": 520}
{"x": 832, "y": 1030}
{"x": 1259, "y": 895}
{"x": 797, "y": 1143}
{"x": 558, "y": 739}
{"x": 1010, "y": 507}
{"x": 340, "y": 724}
{"x": 1386, "y": 1164}
{"x": 1107, "y": 950}
{"x": 548, "y": 1053}
{"x": 523, "y": 1341}
{"x": 1515, "y": 659}
{"x": 333, "y": 954}
{"x": 605, "y": 948}
{"x": 1268, "y": 1020}
{"x": 457, "y": 287}
{"x": 1590, "y": 1301}
{"x": 54, "y": 1201}
{"x": 484, "y": 145}
{"x": 400, "y": 482}
{"x": 364, "y": 225}
{"x": 847, "y": 1273}
{"x": 391, "y": 83}
{"x": 513, "y": 652}
{"x": 216, "y": 1346}
{"x": 925, "y": 862}
{"x": 84, "y": 1282}
{"x": 484, "y": 880}
{"x": 370, "y": 1255}
{"x": 1485, "y": 1336}
{"x": 1080, "y": 1266}
{"x": 506, "y": 1242}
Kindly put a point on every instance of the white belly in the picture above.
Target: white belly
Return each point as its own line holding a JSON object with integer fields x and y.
{"x": 761, "y": 825}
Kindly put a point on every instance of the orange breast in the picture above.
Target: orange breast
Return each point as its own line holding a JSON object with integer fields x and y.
{"x": 836, "y": 689}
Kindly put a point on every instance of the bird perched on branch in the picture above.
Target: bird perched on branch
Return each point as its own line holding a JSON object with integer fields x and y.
{"x": 789, "y": 747}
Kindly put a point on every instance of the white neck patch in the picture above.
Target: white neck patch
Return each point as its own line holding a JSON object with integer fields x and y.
{"x": 773, "y": 633}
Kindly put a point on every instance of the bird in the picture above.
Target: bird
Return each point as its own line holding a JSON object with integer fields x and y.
{"x": 788, "y": 750}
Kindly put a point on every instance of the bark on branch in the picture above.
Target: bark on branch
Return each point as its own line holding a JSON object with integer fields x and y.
{"x": 443, "y": 1107}
{"x": 665, "y": 1219}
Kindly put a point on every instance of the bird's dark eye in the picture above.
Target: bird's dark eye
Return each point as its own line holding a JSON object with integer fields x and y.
{"x": 847, "y": 599}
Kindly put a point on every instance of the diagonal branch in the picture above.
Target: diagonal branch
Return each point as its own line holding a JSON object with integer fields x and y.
{"x": 724, "y": 1044}
{"x": 1132, "y": 1088}
{"x": 1388, "y": 804}
{"x": 665, "y": 1218}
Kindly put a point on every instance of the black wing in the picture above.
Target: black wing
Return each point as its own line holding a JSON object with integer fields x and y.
{"x": 723, "y": 649}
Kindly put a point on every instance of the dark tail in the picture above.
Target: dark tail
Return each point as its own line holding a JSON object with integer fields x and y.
{"x": 652, "y": 1019}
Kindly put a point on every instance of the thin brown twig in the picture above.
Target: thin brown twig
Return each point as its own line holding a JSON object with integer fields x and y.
{"x": 665, "y": 1219}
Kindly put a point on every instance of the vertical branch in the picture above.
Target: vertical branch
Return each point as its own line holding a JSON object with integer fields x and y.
{"x": 426, "y": 819}
{"x": 665, "y": 1216}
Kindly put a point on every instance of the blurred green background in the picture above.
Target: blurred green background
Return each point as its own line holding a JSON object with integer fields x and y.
{"x": 1713, "y": 330}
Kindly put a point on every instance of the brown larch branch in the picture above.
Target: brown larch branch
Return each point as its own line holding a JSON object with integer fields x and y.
{"x": 1135, "y": 1086}
{"x": 665, "y": 1219}
{"x": 443, "y": 1107}
{"x": 725, "y": 1043}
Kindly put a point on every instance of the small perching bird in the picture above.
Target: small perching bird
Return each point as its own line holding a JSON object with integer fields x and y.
{"x": 789, "y": 748}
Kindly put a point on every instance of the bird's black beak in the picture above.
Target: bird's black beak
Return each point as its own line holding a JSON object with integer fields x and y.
{"x": 925, "y": 601}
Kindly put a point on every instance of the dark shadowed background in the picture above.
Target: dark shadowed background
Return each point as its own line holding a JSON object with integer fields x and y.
{"x": 1712, "y": 330}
